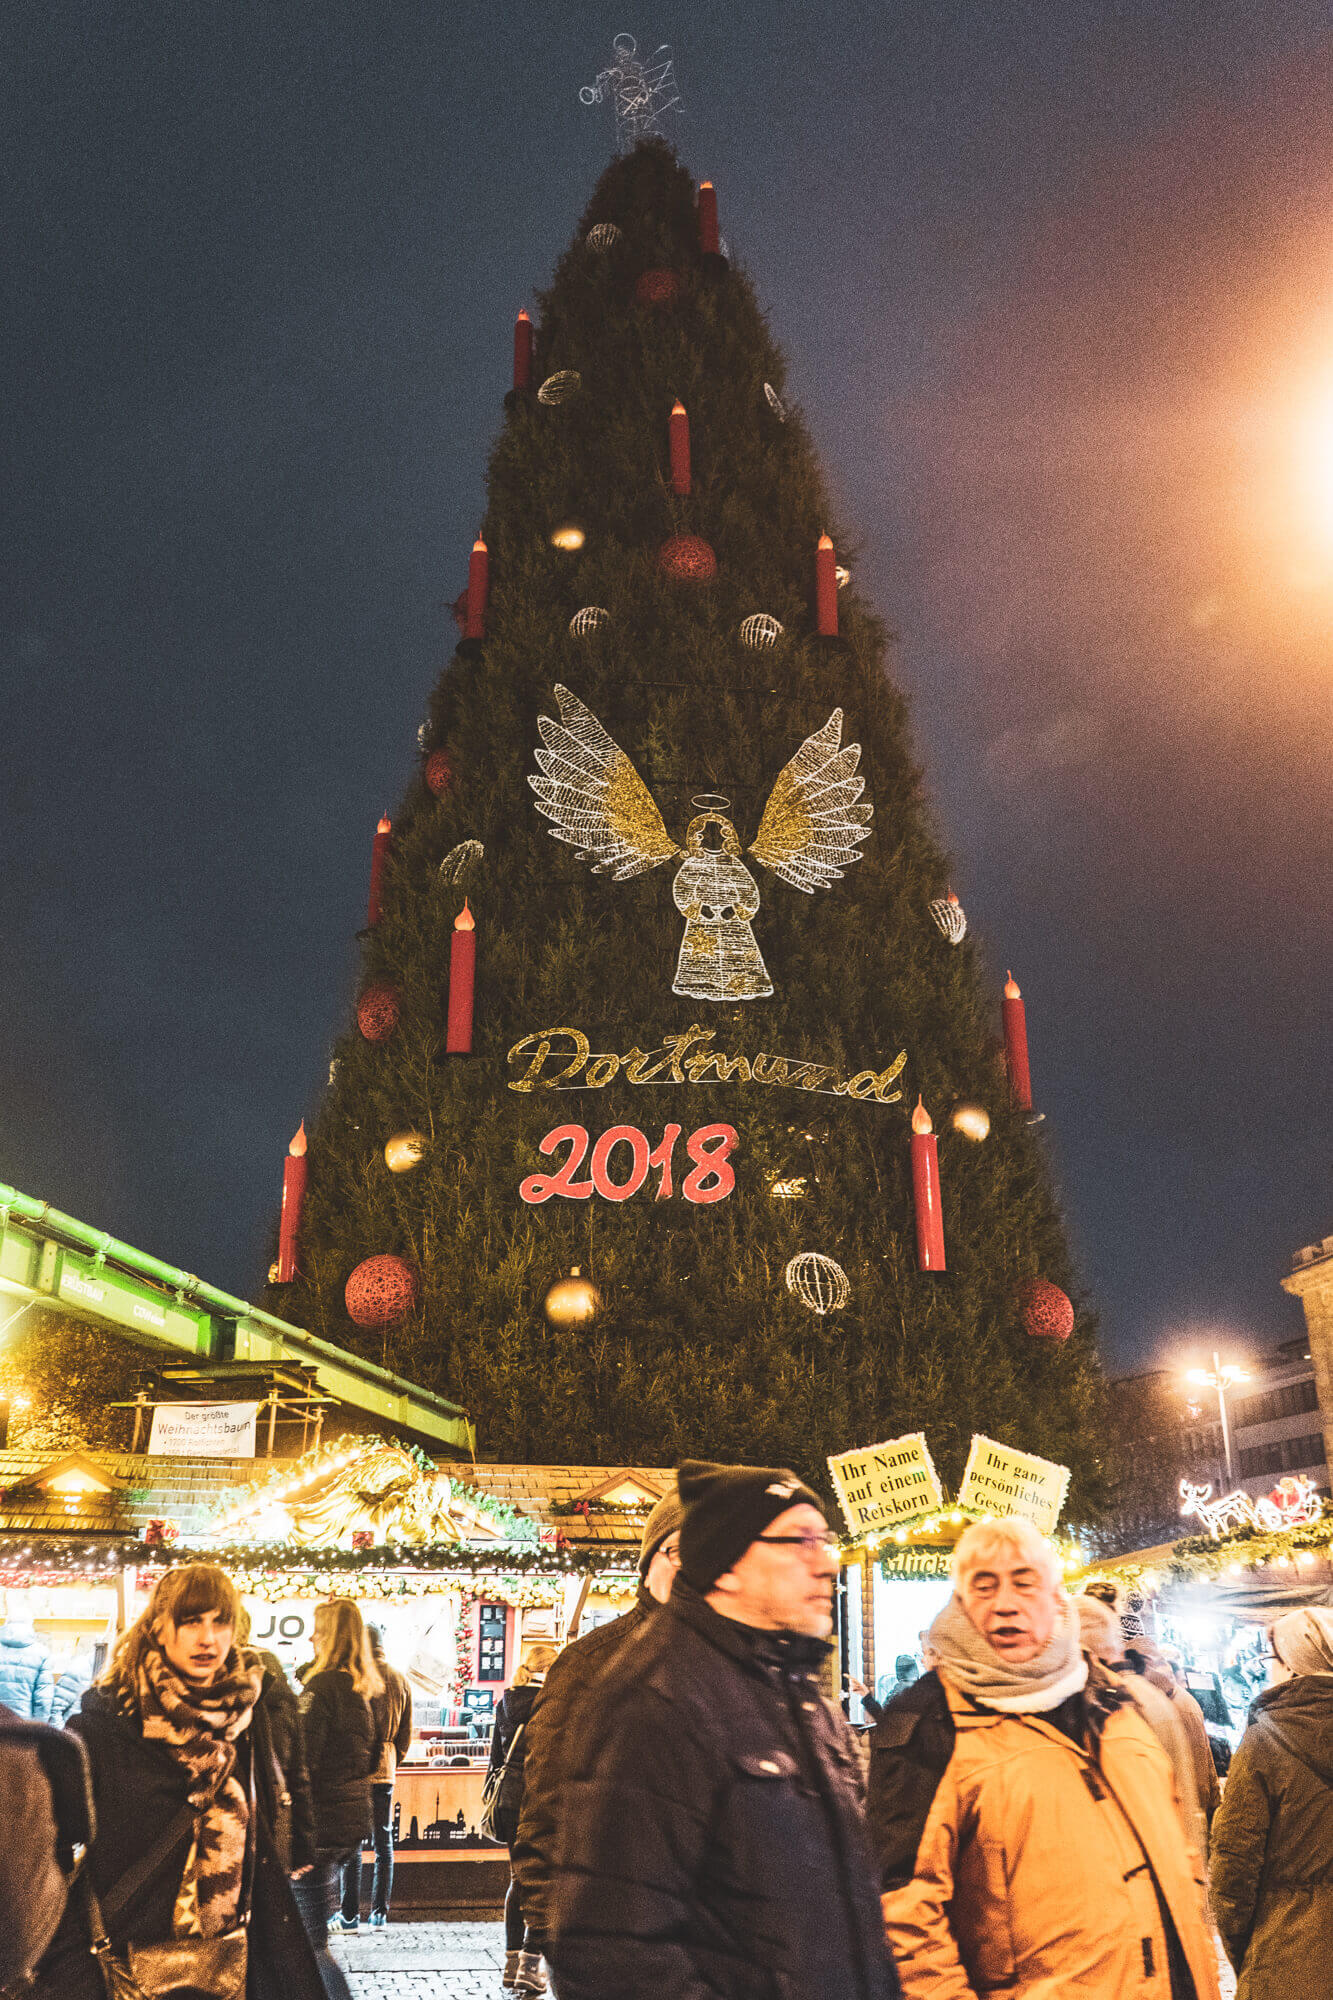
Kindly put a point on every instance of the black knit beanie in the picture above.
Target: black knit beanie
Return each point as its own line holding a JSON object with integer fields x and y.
{"x": 726, "y": 1508}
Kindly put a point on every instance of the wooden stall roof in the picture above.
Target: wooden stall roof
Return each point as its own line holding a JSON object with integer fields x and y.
{"x": 190, "y": 1491}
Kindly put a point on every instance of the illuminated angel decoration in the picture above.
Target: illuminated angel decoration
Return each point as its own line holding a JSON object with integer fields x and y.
{"x": 642, "y": 88}
{"x": 810, "y": 834}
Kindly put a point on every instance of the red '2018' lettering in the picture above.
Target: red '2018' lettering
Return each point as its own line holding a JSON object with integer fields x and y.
{"x": 710, "y": 1179}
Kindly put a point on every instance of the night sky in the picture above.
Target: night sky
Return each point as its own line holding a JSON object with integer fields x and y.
{"x": 1056, "y": 287}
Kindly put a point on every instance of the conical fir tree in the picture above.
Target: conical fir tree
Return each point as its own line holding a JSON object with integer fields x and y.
{"x": 690, "y": 1003}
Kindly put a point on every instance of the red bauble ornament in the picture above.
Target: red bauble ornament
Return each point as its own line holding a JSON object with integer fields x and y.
{"x": 377, "y": 1013}
{"x": 658, "y": 288}
{"x": 381, "y": 1291}
{"x": 687, "y": 559}
{"x": 1047, "y": 1311}
{"x": 439, "y": 772}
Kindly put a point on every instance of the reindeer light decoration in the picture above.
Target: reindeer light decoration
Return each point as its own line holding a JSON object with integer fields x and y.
{"x": 1294, "y": 1503}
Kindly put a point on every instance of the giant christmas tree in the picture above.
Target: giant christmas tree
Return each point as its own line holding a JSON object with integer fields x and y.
{"x": 692, "y": 1002}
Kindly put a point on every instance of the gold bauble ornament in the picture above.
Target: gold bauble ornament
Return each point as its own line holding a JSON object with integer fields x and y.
{"x": 972, "y": 1120}
{"x": 404, "y": 1151}
{"x": 572, "y": 1301}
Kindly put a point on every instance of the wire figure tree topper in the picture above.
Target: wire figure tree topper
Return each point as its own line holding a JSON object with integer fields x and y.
{"x": 642, "y": 89}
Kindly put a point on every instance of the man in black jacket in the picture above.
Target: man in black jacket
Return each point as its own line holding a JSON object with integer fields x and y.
{"x": 712, "y": 1844}
{"x": 553, "y": 1728}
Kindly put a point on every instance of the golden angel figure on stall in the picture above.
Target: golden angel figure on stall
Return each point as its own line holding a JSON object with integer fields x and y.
{"x": 810, "y": 833}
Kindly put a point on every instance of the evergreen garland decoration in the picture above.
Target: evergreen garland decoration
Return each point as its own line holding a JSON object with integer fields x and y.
{"x": 697, "y": 1349}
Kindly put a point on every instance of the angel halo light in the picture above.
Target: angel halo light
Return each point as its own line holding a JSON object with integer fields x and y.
{"x": 809, "y": 835}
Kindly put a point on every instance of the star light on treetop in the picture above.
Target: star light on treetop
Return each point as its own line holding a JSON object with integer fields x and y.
{"x": 643, "y": 90}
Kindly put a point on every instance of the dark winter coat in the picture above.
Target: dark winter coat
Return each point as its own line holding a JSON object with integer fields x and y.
{"x": 551, "y": 1741}
{"x": 342, "y": 1748}
{"x": 293, "y": 1816}
{"x": 512, "y": 1715}
{"x": 46, "y": 1812}
{"x": 712, "y": 1842}
{"x": 1272, "y": 1851}
{"x": 138, "y": 1788}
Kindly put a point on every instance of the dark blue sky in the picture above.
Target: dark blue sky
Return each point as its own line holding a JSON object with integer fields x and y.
{"x": 1056, "y": 286}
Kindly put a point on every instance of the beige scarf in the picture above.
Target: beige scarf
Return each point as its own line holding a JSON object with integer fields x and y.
{"x": 199, "y": 1726}
{"x": 976, "y": 1669}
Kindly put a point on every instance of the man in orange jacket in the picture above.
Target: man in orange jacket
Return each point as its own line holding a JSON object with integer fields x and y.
{"x": 1025, "y": 1823}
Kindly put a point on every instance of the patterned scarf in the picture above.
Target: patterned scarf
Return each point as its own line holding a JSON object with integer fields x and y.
{"x": 1032, "y": 1688}
{"x": 199, "y": 1726}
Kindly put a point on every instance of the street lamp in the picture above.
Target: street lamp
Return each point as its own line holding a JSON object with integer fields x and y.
{"x": 1221, "y": 1378}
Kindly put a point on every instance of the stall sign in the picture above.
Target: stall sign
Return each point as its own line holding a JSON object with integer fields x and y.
{"x": 999, "y": 1480}
{"x": 916, "y": 1565}
{"x": 203, "y": 1430}
{"x": 285, "y": 1627}
{"x": 886, "y": 1484}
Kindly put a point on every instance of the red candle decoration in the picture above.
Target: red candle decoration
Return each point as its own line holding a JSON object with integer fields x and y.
{"x": 1016, "y": 1045}
{"x": 708, "y": 237}
{"x": 679, "y": 431}
{"x": 522, "y": 351}
{"x": 826, "y": 590}
{"x": 478, "y": 589}
{"x": 379, "y": 855}
{"x": 926, "y": 1192}
{"x": 462, "y": 975}
{"x": 293, "y": 1197}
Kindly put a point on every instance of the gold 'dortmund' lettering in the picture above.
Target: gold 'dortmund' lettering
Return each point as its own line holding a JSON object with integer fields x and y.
{"x": 563, "y": 1059}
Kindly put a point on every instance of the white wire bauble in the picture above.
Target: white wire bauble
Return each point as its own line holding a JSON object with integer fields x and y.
{"x": 585, "y": 622}
{"x": 602, "y": 236}
{"x": 460, "y": 861}
{"x": 817, "y": 1281}
{"x": 760, "y": 631}
{"x": 949, "y": 915}
{"x": 558, "y": 388}
{"x": 775, "y": 403}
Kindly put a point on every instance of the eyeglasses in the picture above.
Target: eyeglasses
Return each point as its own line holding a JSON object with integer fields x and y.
{"x": 671, "y": 1550}
{"x": 812, "y": 1544}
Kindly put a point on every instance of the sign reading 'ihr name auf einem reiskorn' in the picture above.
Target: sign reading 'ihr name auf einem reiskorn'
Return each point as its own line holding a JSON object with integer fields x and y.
{"x": 886, "y": 1484}
{"x": 999, "y": 1480}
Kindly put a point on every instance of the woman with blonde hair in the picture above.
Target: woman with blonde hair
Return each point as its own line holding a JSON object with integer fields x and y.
{"x": 523, "y": 1946}
{"x": 342, "y": 1749}
{"x": 183, "y": 1885}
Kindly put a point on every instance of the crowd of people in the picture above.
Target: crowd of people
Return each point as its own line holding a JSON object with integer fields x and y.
{"x": 687, "y": 1815}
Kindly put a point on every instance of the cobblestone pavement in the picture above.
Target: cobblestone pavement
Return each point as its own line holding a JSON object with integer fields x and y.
{"x": 441, "y": 1961}
{"x": 457, "y": 1961}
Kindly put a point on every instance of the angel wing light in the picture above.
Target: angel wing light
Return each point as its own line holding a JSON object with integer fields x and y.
{"x": 810, "y": 834}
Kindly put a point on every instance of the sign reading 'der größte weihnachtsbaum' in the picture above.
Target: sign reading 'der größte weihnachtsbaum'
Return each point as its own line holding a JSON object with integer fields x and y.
{"x": 203, "y": 1430}
{"x": 886, "y": 1484}
{"x": 999, "y": 1480}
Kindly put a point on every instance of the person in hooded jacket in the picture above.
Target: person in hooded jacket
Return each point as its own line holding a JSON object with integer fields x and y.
{"x": 342, "y": 1748}
{"x": 183, "y": 1785}
{"x": 1272, "y": 1856}
{"x": 523, "y": 1942}
{"x": 553, "y": 1730}
{"x": 27, "y": 1685}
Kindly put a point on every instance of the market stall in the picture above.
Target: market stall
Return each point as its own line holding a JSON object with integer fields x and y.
{"x": 1211, "y": 1598}
{"x": 463, "y": 1569}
